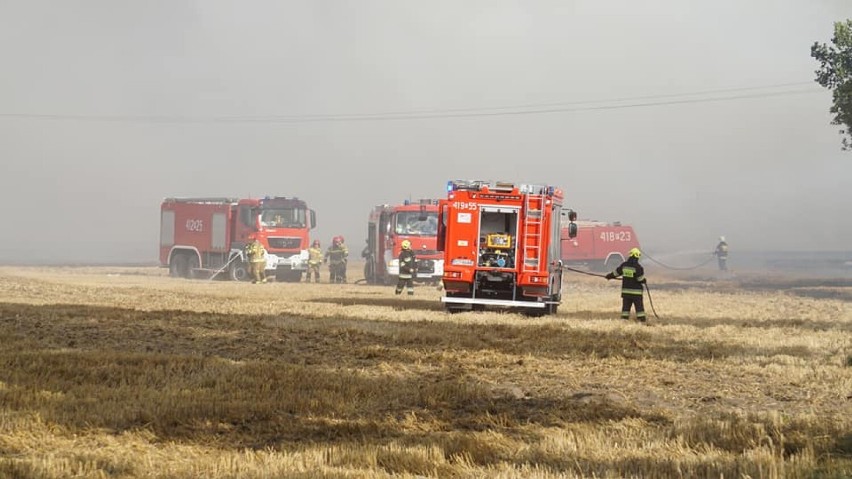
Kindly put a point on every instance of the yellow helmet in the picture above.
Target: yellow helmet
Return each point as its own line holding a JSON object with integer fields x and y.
{"x": 406, "y": 244}
{"x": 635, "y": 252}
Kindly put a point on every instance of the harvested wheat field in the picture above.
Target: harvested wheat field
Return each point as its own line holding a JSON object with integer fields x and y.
{"x": 127, "y": 373}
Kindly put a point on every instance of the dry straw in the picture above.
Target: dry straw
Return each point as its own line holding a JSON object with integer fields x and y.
{"x": 124, "y": 372}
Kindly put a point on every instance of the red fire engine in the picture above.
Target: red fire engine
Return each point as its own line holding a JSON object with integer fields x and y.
{"x": 501, "y": 244}
{"x": 599, "y": 245}
{"x": 388, "y": 227}
{"x": 209, "y": 235}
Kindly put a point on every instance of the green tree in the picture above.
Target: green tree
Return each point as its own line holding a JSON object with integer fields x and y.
{"x": 835, "y": 73}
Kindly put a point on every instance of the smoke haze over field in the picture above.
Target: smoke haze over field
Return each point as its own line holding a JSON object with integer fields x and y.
{"x": 107, "y": 107}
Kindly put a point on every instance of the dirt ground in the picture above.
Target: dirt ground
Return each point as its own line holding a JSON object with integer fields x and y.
{"x": 733, "y": 375}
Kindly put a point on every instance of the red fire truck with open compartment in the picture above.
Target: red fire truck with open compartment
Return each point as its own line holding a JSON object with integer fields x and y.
{"x": 208, "y": 236}
{"x": 388, "y": 226}
{"x": 501, "y": 244}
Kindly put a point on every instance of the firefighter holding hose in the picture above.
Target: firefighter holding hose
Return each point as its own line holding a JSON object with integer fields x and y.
{"x": 632, "y": 278}
{"x": 407, "y": 269}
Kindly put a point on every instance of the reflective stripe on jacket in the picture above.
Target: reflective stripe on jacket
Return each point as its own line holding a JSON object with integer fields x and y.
{"x": 632, "y": 276}
{"x": 256, "y": 252}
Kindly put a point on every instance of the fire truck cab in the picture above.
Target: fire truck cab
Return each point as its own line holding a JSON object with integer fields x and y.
{"x": 501, "y": 244}
{"x": 388, "y": 227}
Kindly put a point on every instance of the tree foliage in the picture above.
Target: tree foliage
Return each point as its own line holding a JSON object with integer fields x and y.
{"x": 835, "y": 73}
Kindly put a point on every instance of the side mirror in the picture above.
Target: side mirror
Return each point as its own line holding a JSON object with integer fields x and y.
{"x": 572, "y": 230}
{"x": 313, "y": 219}
{"x": 571, "y": 214}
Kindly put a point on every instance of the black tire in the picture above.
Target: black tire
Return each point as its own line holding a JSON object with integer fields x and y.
{"x": 192, "y": 265}
{"x": 179, "y": 265}
{"x": 535, "y": 312}
{"x": 239, "y": 271}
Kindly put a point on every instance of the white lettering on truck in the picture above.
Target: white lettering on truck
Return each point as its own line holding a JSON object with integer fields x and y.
{"x": 195, "y": 225}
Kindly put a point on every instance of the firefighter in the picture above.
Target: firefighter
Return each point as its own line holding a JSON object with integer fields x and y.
{"x": 336, "y": 256}
{"x": 257, "y": 260}
{"x": 314, "y": 261}
{"x": 722, "y": 254}
{"x": 407, "y": 269}
{"x": 632, "y": 278}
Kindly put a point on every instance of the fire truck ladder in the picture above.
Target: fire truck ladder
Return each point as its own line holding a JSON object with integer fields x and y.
{"x": 533, "y": 225}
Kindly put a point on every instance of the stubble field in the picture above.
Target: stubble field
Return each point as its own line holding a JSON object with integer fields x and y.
{"x": 127, "y": 373}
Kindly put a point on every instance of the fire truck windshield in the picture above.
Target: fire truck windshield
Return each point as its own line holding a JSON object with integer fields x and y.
{"x": 283, "y": 217}
{"x": 413, "y": 223}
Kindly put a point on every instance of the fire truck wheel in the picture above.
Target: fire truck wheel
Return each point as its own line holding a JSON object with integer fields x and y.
{"x": 535, "y": 312}
{"x": 191, "y": 266}
{"x": 239, "y": 271}
{"x": 179, "y": 266}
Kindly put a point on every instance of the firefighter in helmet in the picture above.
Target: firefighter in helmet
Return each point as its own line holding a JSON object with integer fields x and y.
{"x": 722, "y": 254}
{"x": 407, "y": 269}
{"x": 632, "y": 278}
{"x": 336, "y": 256}
{"x": 314, "y": 261}
{"x": 256, "y": 254}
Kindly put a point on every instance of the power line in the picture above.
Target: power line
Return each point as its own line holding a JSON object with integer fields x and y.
{"x": 571, "y": 103}
{"x": 530, "y": 109}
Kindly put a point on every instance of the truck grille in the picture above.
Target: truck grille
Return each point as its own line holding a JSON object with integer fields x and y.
{"x": 285, "y": 243}
{"x": 425, "y": 266}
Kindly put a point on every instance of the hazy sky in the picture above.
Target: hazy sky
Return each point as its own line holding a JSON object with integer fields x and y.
{"x": 138, "y": 89}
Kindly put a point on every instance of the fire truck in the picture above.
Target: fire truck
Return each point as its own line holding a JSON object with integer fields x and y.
{"x": 501, "y": 244}
{"x": 388, "y": 226}
{"x": 208, "y": 236}
{"x": 598, "y": 245}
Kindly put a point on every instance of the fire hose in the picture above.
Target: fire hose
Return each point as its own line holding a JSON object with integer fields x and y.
{"x": 650, "y": 299}
{"x": 675, "y": 267}
{"x": 219, "y": 271}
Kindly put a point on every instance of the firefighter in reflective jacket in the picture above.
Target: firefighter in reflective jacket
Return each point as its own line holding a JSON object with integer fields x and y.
{"x": 314, "y": 262}
{"x": 632, "y": 278}
{"x": 257, "y": 260}
{"x": 336, "y": 256}
{"x": 407, "y": 268}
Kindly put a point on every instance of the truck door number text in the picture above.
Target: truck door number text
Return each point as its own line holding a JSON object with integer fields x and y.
{"x": 463, "y": 205}
{"x": 608, "y": 236}
{"x": 195, "y": 225}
